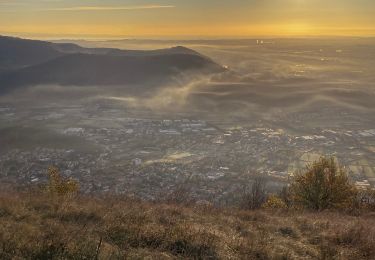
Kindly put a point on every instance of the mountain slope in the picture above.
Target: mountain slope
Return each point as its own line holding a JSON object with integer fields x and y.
{"x": 28, "y": 62}
{"x": 16, "y": 53}
{"x": 90, "y": 69}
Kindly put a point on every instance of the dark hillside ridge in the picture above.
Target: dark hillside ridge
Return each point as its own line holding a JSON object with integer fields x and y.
{"x": 29, "y": 62}
{"x": 16, "y": 53}
{"x": 100, "y": 70}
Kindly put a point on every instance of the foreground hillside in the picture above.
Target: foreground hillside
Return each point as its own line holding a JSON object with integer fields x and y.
{"x": 36, "y": 226}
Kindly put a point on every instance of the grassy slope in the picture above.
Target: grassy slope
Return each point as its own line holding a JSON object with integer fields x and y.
{"x": 33, "y": 226}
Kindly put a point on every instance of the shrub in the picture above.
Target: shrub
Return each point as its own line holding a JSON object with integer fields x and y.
{"x": 366, "y": 199}
{"x": 274, "y": 202}
{"x": 60, "y": 186}
{"x": 324, "y": 185}
{"x": 181, "y": 195}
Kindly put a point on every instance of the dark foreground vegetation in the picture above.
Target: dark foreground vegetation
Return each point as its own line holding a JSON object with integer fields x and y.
{"x": 56, "y": 223}
{"x": 34, "y": 227}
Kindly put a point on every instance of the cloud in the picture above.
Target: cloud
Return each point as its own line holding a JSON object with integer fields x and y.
{"x": 109, "y": 8}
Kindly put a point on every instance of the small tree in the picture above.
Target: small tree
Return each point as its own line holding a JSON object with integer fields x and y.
{"x": 256, "y": 195}
{"x": 322, "y": 186}
{"x": 285, "y": 196}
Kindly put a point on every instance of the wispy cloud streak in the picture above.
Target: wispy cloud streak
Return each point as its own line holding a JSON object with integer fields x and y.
{"x": 109, "y": 8}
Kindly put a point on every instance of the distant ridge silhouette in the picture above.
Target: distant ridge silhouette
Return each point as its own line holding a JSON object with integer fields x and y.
{"x": 29, "y": 62}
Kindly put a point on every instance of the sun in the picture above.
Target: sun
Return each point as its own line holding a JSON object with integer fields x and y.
{"x": 297, "y": 29}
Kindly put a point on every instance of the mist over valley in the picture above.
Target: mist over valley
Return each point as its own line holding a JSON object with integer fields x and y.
{"x": 142, "y": 116}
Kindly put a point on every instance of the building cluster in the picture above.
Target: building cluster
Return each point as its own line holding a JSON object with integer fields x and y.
{"x": 150, "y": 158}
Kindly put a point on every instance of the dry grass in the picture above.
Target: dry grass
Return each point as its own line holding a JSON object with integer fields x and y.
{"x": 33, "y": 226}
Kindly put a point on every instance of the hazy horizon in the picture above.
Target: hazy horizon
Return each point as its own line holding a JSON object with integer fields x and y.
{"x": 82, "y": 37}
{"x": 181, "y": 19}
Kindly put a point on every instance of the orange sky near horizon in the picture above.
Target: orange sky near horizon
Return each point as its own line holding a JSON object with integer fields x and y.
{"x": 186, "y": 19}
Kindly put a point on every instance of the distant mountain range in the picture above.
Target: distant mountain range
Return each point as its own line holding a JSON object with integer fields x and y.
{"x": 30, "y": 62}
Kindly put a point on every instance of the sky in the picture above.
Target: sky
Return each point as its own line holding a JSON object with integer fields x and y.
{"x": 186, "y": 18}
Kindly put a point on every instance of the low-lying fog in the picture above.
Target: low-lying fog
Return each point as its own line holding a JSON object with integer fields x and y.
{"x": 267, "y": 79}
{"x": 295, "y": 100}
